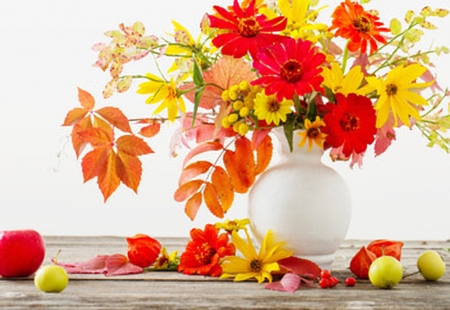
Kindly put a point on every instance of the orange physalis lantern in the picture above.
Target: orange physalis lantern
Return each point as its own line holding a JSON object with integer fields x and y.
{"x": 143, "y": 250}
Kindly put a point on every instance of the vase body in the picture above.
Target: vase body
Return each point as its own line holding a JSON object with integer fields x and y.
{"x": 304, "y": 202}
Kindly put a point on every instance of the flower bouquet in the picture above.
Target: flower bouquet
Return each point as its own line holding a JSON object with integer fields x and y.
{"x": 342, "y": 86}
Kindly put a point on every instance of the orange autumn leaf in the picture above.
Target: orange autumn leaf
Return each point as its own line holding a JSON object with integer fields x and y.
{"x": 187, "y": 189}
{"x": 133, "y": 145}
{"x": 78, "y": 142}
{"x": 75, "y": 116}
{"x": 193, "y": 170}
{"x": 94, "y": 162}
{"x": 193, "y": 204}
{"x": 224, "y": 188}
{"x": 202, "y": 148}
{"x": 115, "y": 117}
{"x": 150, "y": 130}
{"x": 129, "y": 170}
{"x": 263, "y": 154}
{"x": 86, "y": 99}
{"x": 108, "y": 180}
{"x": 240, "y": 165}
{"x": 361, "y": 262}
{"x": 226, "y": 72}
{"x": 386, "y": 247}
{"x": 212, "y": 200}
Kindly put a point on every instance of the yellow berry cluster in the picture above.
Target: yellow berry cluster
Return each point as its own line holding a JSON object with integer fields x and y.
{"x": 240, "y": 98}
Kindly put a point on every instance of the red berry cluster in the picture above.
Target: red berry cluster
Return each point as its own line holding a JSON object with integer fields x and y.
{"x": 327, "y": 281}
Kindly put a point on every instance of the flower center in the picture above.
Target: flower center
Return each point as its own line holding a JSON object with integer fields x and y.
{"x": 248, "y": 27}
{"x": 349, "y": 122}
{"x": 362, "y": 24}
{"x": 273, "y": 105}
{"x": 255, "y": 265}
{"x": 313, "y": 133}
{"x": 204, "y": 253}
{"x": 391, "y": 89}
{"x": 291, "y": 71}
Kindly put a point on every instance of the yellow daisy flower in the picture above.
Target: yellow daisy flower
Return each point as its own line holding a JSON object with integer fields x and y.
{"x": 233, "y": 225}
{"x": 164, "y": 91}
{"x": 312, "y": 134}
{"x": 334, "y": 79}
{"x": 398, "y": 94}
{"x": 253, "y": 264}
{"x": 268, "y": 108}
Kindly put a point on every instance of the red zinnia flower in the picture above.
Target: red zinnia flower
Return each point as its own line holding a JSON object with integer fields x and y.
{"x": 354, "y": 23}
{"x": 350, "y": 123}
{"x": 204, "y": 251}
{"x": 292, "y": 66}
{"x": 246, "y": 31}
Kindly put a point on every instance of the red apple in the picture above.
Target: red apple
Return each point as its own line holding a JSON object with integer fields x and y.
{"x": 21, "y": 252}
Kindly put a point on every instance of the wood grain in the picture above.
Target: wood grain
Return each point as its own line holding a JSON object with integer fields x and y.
{"x": 171, "y": 290}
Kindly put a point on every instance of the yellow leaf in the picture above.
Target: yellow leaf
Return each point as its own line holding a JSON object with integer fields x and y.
{"x": 396, "y": 26}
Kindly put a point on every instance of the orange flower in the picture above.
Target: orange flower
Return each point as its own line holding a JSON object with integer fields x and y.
{"x": 143, "y": 250}
{"x": 360, "y": 27}
{"x": 204, "y": 251}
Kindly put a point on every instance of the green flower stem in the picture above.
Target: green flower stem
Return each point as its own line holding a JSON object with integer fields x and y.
{"x": 345, "y": 58}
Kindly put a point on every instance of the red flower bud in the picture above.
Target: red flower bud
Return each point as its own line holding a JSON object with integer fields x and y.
{"x": 143, "y": 250}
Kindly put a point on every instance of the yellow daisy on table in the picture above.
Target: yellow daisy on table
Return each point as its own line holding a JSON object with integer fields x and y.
{"x": 164, "y": 91}
{"x": 398, "y": 94}
{"x": 253, "y": 264}
{"x": 334, "y": 79}
{"x": 312, "y": 133}
{"x": 233, "y": 225}
{"x": 271, "y": 110}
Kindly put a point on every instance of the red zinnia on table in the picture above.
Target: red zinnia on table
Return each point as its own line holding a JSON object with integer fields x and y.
{"x": 288, "y": 68}
{"x": 360, "y": 27}
{"x": 203, "y": 252}
{"x": 245, "y": 31}
{"x": 350, "y": 123}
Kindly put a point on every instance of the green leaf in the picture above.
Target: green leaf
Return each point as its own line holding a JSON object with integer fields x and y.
{"x": 289, "y": 133}
{"x": 198, "y": 77}
{"x": 312, "y": 110}
{"x": 198, "y": 96}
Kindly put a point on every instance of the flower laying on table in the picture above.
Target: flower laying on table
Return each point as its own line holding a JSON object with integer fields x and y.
{"x": 343, "y": 86}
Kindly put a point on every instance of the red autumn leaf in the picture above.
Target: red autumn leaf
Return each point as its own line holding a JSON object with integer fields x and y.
{"x": 302, "y": 267}
{"x": 115, "y": 117}
{"x": 118, "y": 264}
{"x": 386, "y": 247}
{"x": 361, "y": 262}
{"x": 193, "y": 170}
{"x": 202, "y": 148}
{"x": 86, "y": 99}
{"x": 143, "y": 250}
{"x": 193, "y": 204}
{"x": 263, "y": 154}
{"x": 289, "y": 283}
{"x": 224, "y": 188}
{"x": 110, "y": 265}
{"x": 186, "y": 190}
{"x": 212, "y": 200}
{"x": 226, "y": 72}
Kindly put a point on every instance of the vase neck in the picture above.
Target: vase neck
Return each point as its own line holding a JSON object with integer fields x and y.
{"x": 298, "y": 153}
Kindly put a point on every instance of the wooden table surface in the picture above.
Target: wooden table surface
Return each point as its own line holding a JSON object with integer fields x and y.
{"x": 172, "y": 290}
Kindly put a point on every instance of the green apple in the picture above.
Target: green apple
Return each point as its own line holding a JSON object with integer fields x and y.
{"x": 385, "y": 272}
{"x": 51, "y": 279}
{"x": 431, "y": 265}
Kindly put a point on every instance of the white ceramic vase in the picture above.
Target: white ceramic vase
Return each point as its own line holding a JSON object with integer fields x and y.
{"x": 304, "y": 202}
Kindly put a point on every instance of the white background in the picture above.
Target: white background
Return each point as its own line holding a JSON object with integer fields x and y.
{"x": 45, "y": 54}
